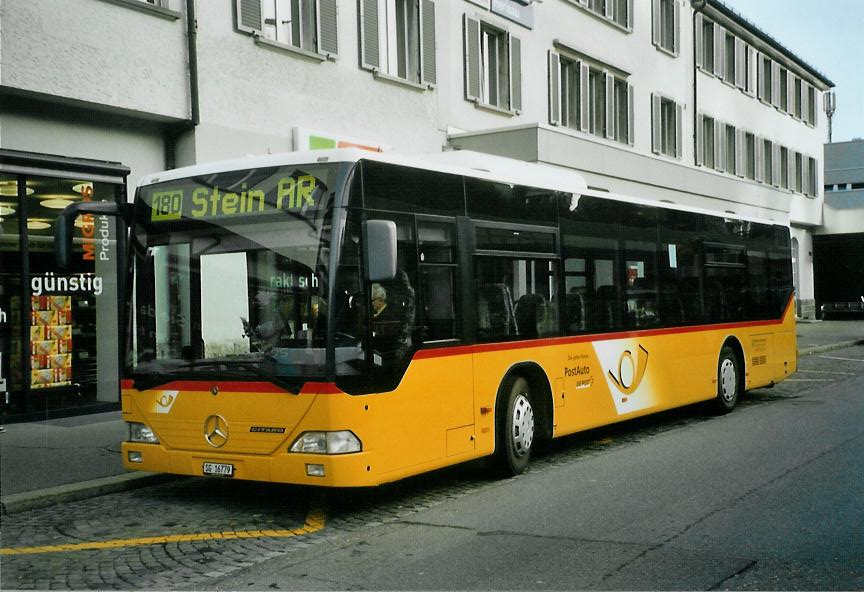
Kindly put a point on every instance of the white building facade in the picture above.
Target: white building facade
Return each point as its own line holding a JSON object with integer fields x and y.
{"x": 664, "y": 99}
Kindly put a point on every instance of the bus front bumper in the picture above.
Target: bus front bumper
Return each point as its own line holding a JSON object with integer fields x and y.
{"x": 330, "y": 470}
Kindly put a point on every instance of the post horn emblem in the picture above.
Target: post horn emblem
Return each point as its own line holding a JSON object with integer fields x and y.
{"x": 216, "y": 431}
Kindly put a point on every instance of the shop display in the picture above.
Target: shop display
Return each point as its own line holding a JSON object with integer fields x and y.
{"x": 50, "y": 341}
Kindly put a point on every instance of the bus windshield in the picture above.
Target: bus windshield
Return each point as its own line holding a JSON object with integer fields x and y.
{"x": 230, "y": 276}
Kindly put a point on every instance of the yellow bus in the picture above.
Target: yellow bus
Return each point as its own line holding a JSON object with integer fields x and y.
{"x": 346, "y": 318}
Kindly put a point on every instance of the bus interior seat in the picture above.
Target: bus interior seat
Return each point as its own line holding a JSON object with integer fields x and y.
{"x": 526, "y": 313}
{"x": 495, "y": 316}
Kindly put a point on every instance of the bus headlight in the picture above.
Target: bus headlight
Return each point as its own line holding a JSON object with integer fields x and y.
{"x": 341, "y": 442}
{"x": 138, "y": 432}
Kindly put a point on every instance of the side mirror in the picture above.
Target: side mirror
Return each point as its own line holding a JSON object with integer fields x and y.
{"x": 380, "y": 251}
{"x": 66, "y": 223}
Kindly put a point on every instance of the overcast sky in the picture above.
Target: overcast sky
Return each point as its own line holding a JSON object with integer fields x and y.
{"x": 828, "y": 35}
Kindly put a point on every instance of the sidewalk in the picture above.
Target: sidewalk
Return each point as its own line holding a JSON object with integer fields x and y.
{"x": 46, "y": 462}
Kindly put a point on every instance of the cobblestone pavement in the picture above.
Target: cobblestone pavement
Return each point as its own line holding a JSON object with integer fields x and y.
{"x": 242, "y": 517}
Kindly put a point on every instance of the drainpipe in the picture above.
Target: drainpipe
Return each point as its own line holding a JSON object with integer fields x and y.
{"x": 174, "y": 133}
{"x": 698, "y": 6}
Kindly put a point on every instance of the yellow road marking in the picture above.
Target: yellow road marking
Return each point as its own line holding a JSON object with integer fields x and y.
{"x": 314, "y": 522}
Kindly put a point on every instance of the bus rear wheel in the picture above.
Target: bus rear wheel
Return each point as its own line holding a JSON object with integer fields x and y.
{"x": 728, "y": 380}
{"x": 515, "y": 427}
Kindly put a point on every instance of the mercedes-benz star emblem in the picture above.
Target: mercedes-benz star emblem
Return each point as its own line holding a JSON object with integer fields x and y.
{"x": 216, "y": 431}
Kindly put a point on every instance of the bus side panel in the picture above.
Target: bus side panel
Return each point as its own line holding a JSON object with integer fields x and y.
{"x": 413, "y": 424}
{"x": 785, "y": 354}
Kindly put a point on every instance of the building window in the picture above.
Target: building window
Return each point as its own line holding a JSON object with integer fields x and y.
{"x": 621, "y": 13}
{"x": 493, "y": 66}
{"x": 729, "y": 74}
{"x": 797, "y": 97}
{"x": 665, "y": 31}
{"x": 708, "y": 156}
{"x": 570, "y": 91}
{"x": 768, "y": 162}
{"x": 812, "y": 180}
{"x": 784, "y": 89}
{"x": 730, "y": 149}
{"x": 748, "y": 69}
{"x": 765, "y": 81}
{"x": 798, "y": 179}
{"x": 749, "y": 148}
{"x": 397, "y": 39}
{"x": 811, "y": 105}
{"x": 666, "y": 126}
{"x": 622, "y": 111}
{"x": 597, "y": 102}
{"x": 708, "y": 45}
{"x": 307, "y": 25}
{"x": 784, "y": 167}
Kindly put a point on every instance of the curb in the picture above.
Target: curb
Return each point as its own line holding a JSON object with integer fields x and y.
{"x": 41, "y": 498}
{"x": 831, "y": 346}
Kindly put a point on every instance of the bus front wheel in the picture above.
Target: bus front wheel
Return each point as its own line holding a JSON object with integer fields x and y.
{"x": 515, "y": 427}
{"x": 728, "y": 380}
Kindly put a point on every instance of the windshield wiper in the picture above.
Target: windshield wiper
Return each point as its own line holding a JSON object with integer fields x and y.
{"x": 150, "y": 380}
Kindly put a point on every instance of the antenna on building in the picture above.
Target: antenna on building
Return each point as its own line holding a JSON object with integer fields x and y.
{"x": 830, "y": 106}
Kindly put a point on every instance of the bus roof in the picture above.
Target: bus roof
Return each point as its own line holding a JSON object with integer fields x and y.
{"x": 460, "y": 162}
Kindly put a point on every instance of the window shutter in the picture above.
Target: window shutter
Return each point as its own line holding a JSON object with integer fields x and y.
{"x": 609, "y": 9}
{"x": 655, "y": 124}
{"x": 700, "y": 139}
{"x": 719, "y": 38}
{"x": 328, "y": 40}
{"x": 740, "y": 147}
{"x": 515, "y": 73}
{"x": 740, "y": 72}
{"x": 751, "y": 71}
{"x": 775, "y": 84}
{"x": 369, "y": 53}
{"x": 583, "y": 2}
{"x": 610, "y": 104}
{"x": 805, "y": 175}
{"x": 655, "y": 22}
{"x": 629, "y": 15}
{"x": 760, "y": 77}
{"x": 428, "y": 71}
{"x": 760, "y": 158}
{"x": 584, "y": 98}
{"x": 679, "y": 131}
{"x": 676, "y": 27}
{"x": 790, "y": 170}
{"x": 790, "y": 92}
{"x": 472, "y": 58}
{"x": 630, "y": 115}
{"x": 699, "y": 47}
{"x": 249, "y": 18}
{"x": 805, "y": 102}
{"x": 554, "y": 88}
{"x": 775, "y": 161}
{"x": 719, "y": 146}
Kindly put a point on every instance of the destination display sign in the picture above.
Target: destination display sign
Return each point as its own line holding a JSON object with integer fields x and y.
{"x": 228, "y": 197}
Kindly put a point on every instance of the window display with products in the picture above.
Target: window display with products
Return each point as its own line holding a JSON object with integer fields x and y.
{"x": 60, "y": 338}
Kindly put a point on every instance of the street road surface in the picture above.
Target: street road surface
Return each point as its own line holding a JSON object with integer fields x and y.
{"x": 767, "y": 497}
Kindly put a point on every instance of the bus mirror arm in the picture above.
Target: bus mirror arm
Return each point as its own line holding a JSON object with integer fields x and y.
{"x": 66, "y": 224}
{"x": 380, "y": 251}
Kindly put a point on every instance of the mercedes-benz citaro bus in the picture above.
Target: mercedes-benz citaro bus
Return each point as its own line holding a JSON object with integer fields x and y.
{"x": 348, "y": 318}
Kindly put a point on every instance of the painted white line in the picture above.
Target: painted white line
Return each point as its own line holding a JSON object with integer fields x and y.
{"x": 844, "y": 359}
{"x": 809, "y": 380}
{"x": 827, "y": 372}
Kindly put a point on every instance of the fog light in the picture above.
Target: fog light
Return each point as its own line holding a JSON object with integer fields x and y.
{"x": 315, "y": 470}
{"x": 135, "y": 457}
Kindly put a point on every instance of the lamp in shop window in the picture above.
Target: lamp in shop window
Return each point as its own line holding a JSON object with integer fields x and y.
{"x": 38, "y": 224}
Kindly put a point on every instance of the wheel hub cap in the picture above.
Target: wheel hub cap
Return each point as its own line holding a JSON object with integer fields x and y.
{"x": 728, "y": 380}
{"x": 523, "y": 426}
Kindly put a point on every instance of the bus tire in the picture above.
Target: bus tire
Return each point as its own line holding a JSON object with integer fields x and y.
{"x": 728, "y": 380}
{"x": 515, "y": 427}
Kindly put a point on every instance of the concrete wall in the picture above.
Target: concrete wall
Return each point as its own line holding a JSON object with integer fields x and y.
{"x": 96, "y": 51}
